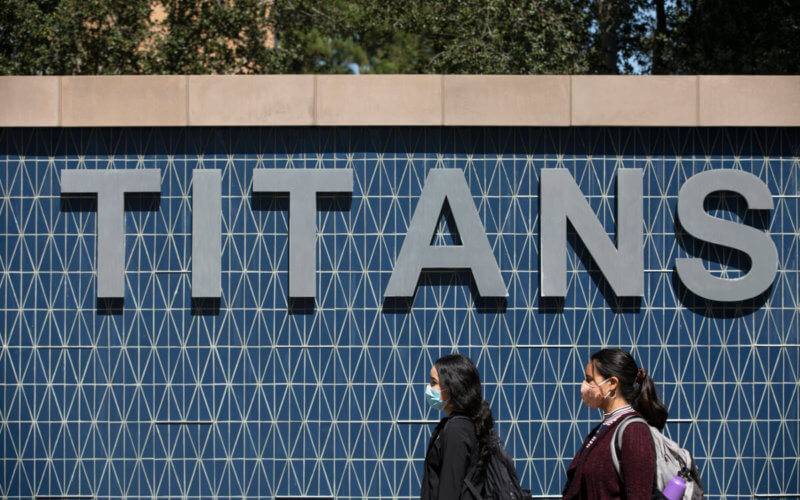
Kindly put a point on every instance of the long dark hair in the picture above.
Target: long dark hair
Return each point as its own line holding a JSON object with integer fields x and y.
{"x": 638, "y": 388}
{"x": 459, "y": 376}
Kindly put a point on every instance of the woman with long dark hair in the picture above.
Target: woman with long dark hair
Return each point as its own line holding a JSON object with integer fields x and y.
{"x": 464, "y": 437}
{"x": 614, "y": 383}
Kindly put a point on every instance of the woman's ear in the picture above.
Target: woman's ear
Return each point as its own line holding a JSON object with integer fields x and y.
{"x": 614, "y": 383}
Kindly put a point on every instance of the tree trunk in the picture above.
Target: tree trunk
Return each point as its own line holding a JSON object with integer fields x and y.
{"x": 659, "y": 39}
{"x": 609, "y": 39}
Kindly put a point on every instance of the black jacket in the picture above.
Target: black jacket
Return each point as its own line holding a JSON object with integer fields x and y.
{"x": 449, "y": 455}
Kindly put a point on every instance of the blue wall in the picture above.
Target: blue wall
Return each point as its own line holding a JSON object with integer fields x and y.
{"x": 162, "y": 397}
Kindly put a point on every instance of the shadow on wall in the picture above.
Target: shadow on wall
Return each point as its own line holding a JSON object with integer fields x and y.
{"x": 449, "y": 279}
{"x": 319, "y": 146}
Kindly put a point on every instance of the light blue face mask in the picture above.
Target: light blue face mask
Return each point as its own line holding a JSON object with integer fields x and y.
{"x": 434, "y": 398}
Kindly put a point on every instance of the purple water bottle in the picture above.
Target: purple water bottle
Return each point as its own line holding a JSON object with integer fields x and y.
{"x": 675, "y": 488}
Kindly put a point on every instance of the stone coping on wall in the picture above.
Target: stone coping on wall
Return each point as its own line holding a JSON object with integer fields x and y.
{"x": 385, "y": 100}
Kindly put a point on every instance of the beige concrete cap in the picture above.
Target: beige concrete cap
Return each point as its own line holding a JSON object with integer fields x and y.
{"x": 379, "y": 100}
{"x": 29, "y": 101}
{"x": 417, "y": 100}
{"x": 763, "y": 100}
{"x": 505, "y": 100}
{"x": 634, "y": 100}
{"x": 123, "y": 101}
{"x": 247, "y": 100}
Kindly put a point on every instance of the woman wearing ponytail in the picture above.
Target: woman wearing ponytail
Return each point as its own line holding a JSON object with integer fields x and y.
{"x": 464, "y": 437}
{"x": 617, "y": 386}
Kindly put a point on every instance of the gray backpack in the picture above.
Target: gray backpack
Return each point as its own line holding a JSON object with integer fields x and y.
{"x": 671, "y": 460}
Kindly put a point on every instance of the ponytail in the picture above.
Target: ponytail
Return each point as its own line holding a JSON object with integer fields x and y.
{"x": 648, "y": 404}
{"x": 637, "y": 387}
{"x": 484, "y": 428}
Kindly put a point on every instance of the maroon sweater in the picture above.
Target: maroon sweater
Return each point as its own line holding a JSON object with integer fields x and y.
{"x": 591, "y": 474}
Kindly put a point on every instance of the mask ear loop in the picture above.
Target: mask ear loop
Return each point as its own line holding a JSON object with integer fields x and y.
{"x": 609, "y": 392}
{"x": 605, "y": 396}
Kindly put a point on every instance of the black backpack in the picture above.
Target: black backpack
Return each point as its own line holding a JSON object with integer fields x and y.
{"x": 498, "y": 480}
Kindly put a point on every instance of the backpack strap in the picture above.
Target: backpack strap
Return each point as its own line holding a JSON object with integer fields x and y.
{"x": 472, "y": 489}
{"x": 616, "y": 442}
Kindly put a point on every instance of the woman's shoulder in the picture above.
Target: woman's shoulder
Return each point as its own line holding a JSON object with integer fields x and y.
{"x": 635, "y": 431}
{"x": 459, "y": 424}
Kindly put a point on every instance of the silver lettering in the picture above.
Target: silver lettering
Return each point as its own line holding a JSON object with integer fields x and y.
{"x": 474, "y": 253}
{"x": 206, "y": 233}
{"x": 756, "y": 244}
{"x": 110, "y": 186}
{"x": 561, "y": 200}
{"x": 302, "y": 186}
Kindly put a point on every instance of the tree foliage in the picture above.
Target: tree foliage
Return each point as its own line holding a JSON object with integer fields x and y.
{"x": 445, "y": 36}
{"x": 399, "y": 36}
{"x": 200, "y": 36}
{"x": 72, "y": 36}
{"x": 734, "y": 36}
{"x": 134, "y": 36}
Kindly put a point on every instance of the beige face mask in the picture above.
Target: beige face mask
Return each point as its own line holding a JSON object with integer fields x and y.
{"x": 592, "y": 395}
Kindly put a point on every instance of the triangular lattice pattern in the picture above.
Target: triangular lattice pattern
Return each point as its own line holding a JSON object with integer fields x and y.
{"x": 253, "y": 400}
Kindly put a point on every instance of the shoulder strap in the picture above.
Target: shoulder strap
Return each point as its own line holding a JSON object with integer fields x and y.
{"x": 616, "y": 441}
{"x": 472, "y": 489}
